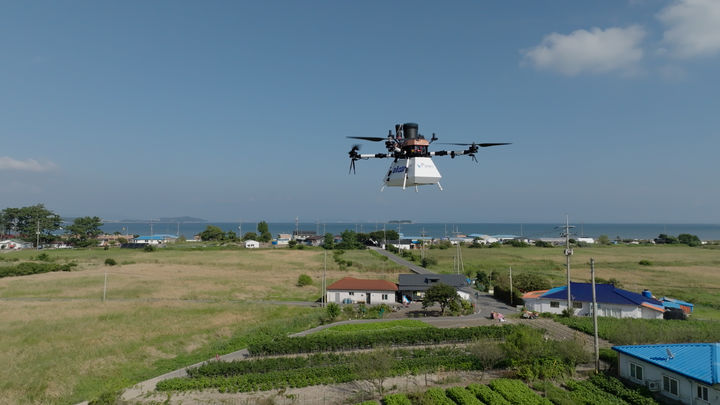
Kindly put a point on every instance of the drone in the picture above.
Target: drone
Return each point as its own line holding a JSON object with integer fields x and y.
{"x": 412, "y": 162}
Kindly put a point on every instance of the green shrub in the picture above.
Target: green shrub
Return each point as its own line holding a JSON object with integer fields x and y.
{"x": 149, "y": 248}
{"x": 616, "y": 387}
{"x": 396, "y": 399}
{"x": 645, "y": 262}
{"x": 44, "y": 257}
{"x": 110, "y": 262}
{"x": 332, "y": 310}
{"x": 304, "y": 280}
{"x": 27, "y": 268}
{"x": 555, "y": 394}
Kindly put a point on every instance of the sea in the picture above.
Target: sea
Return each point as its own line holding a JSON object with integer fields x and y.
{"x": 433, "y": 230}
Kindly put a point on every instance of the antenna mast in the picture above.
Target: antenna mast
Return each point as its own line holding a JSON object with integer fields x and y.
{"x": 568, "y": 252}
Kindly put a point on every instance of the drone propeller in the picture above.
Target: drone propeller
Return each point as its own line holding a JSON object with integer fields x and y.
{"x": 369, "y": 138}
{"x": 354, "y": 155}
{"x": 480, "y": 145}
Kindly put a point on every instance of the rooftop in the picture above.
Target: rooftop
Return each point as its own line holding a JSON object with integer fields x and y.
{"x": 698, "y": 361}
{"x": 606, "y": 294}
{"x": 350, "y": 283}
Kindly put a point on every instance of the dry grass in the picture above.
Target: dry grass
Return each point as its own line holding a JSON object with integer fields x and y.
{"x": 165, "y": 309}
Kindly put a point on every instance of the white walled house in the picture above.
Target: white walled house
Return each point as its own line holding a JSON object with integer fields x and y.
{"x": 354, "y": 290}
{"x": 612, "y": 302}
{"x": 154, "y": 239}
{"x": 684, "y": 372}
{"x": 252, "y": 244}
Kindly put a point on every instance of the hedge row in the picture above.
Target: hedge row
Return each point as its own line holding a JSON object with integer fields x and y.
{"x": 487, "y": 395}
{"x": 367, "y": 340}
{"x": 516, "y": 392}
{"x": 461, "y": 396}
{"x": 27, "y": 268}
{"x": 345, "y": 370}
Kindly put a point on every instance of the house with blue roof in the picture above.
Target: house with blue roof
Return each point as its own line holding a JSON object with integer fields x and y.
{"x": 156, "y": 239}
{"x": 685, "y": 372}
{"x": 612, "y": 301}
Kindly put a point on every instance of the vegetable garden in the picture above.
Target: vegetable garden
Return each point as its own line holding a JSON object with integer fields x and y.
{"x": 597, "y": 390}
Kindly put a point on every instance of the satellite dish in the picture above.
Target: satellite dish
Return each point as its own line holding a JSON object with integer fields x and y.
{"x": 669, "y": 353}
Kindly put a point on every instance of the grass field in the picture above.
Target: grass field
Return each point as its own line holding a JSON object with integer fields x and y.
{"x": 164, "y": 310}
{"x": 688, "y": 273}
{"x": 176, "y": 306}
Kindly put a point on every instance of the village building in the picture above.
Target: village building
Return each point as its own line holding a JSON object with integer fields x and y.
{"x": 413, "y": 286}
{"x": 14, "y": 244}
{"x": 351, "y": 290}
{"x": 612, "y": 301}
{"x": 252, "y": 244}
{"x": 158, "y": 239}
{"x": 683, "y": 372}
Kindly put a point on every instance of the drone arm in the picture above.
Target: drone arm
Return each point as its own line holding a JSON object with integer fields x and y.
{"x": 373, "y": 155}
{"x": 453, "y": 153}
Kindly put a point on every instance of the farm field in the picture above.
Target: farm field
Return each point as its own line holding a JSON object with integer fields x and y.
{"x": 164, "y": 310}
{"x": 678, "y": 271}
{"x": 177, "y": 306}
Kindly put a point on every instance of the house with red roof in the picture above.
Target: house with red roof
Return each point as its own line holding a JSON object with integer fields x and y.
{"x": 354, "y": 290}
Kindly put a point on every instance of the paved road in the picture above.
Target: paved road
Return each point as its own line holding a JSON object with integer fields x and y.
{"x": 413, "y": 267}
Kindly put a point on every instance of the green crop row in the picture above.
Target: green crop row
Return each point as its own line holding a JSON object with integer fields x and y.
{"x": 436, "y": 396}
{"x": 614, "y": 386}
{"x": 487, "y": 395}
{"x": 462, "y": 396}
{"x": 366, "y": 340}
{"x": 587, "y": 393}
{"x": 345, "y": 369}
{"x": 516, "y": 392}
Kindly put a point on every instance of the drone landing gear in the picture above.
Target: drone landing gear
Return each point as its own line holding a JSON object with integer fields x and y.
{"x": 439, "y": 186}
{"x": 407, "y": 163}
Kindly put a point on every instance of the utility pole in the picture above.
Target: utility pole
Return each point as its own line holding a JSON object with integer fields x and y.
{"x": 105, "y": 287}
{"x": 511, "y": 294}
{"x": 37, "y": 236}
{"x": 594, "y": 309}
{"x": 568, "y": 252}
{"x": 323, "y": 299}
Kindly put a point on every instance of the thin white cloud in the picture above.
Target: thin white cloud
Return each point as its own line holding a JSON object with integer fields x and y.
{"x": 29, "y": 165}
{"x": 693, "y": 27}
{"x": 596, "y": 51}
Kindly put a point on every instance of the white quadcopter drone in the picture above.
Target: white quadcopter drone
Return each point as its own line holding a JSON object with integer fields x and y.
{"x": 412, "y": 162}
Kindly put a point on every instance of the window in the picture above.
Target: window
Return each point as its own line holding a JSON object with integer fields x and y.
{"x": 351, "y": 293}
{"x": 554, "y": 304}
{"x": 636, "y": 371}
{"x": 670, "y": 385}
{"x": 577, "y": 305}
{"x": 385, "y": 296}
{"x": 702, "y": 392}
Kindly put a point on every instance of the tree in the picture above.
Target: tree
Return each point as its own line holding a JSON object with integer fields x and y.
{"x": 84, "y": 230}
{"x": 250, "y": 236}
{"x": 349, "y": 241}
{"x": 332, "y": 310}
{"x": 530, "y": 282}
{"x": 603, "y": 240}
{"x": 212, "y": 232}
{"x": 264, "y": 231}
{"x": 482, "y": 281}
{"x": 688, "y": 239}
{"x": 375, "y": 367}
{"x": 329, "y": 241}
{"x": 27, "y": 221}
{"x": 231, "y": 235}
{"x": 441, "y": 293}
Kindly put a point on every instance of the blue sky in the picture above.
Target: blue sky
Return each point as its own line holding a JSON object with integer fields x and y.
{"x": 231, "y": 110}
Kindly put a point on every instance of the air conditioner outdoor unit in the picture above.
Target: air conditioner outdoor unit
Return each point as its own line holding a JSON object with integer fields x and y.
{"x": 653, "y": 385}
